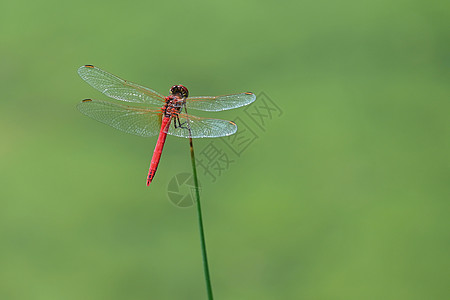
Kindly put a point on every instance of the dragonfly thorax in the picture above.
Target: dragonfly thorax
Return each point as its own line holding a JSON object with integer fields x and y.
{"x": 173, "y": 105}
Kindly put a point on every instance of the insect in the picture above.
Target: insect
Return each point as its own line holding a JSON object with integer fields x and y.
{"x": 168, "y": 119}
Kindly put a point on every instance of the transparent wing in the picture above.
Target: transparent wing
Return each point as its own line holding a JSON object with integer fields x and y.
{"x": 134, "y": 120}
{"x": 201, "y": 127}
{"x": 117, "y": 88}
{"x": 218, "y": 103}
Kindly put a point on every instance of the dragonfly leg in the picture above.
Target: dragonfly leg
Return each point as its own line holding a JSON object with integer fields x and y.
{"x": 175, "y": 122}
{"x": 179, "y": 125}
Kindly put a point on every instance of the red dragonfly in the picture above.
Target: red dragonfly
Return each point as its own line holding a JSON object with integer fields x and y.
{"x": 147, "y": 122}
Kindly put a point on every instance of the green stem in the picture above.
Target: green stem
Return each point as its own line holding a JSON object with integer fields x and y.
{"x": 200, "y": 225}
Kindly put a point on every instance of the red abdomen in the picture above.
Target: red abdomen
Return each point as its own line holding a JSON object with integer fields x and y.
{"x": 158, "y": 149}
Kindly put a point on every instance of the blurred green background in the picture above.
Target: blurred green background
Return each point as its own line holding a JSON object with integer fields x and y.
{"x": 345, "y": 196}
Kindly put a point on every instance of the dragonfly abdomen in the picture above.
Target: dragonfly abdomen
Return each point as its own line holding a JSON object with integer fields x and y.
{"x": 158, "y": 149}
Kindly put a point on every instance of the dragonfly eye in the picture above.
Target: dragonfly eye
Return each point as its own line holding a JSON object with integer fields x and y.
{"x": 179, "y": 90}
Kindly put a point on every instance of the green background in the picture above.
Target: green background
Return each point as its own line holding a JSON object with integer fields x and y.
{"x": 345, "y": 196}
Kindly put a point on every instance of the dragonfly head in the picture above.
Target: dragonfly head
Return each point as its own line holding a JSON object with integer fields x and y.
{"x": 179, "y": 90}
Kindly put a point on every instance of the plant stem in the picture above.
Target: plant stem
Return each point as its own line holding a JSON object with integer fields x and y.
{"x": 200, "y": 224}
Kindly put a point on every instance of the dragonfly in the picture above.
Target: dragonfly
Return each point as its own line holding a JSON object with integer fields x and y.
{"x": 167, "y": 118}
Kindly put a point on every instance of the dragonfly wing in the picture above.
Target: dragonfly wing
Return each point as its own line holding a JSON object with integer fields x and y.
{"x": 201, "y": 127}
{"x": 134, "y": 120}
{"x": 219, "y": 103}
{"x": 117, "y": 88}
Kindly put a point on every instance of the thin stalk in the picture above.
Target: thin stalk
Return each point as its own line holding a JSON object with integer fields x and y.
{"x": 200, "y": 225}
{"x": 199, "y": 214}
